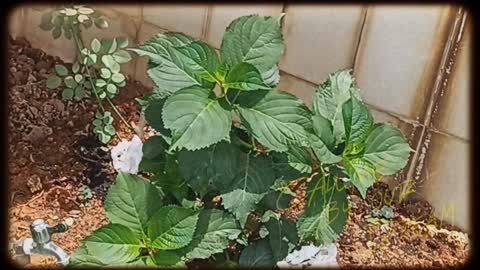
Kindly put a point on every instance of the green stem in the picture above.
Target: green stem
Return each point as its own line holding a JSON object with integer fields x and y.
{"x": 79, "y": 45}
{"x": 119, "y": 115}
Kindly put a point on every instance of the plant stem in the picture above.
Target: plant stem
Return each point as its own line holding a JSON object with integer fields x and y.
{"x": 119, "y": 115}
{"x": 79, "y": 45}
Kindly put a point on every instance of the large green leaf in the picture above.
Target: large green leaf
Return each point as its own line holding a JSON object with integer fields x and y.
{"x": 80, "y": 257}
{"x": 215, "y": 228}
{"x": 322, "y": 127}
{"x": 171, "y": 182}
{"x": 244, "y": 76}
{"x": 172, "y": 227}
{"x": 153, "y": 159}
{"x": 276, "y": 119}
{"x": 132, "y": 201}
{"x": 153, "y": 115}
{"x": 258, "y": 254}
{"x": 288, "y": 166}
{"x": 321, "y": 151}
{"x": 112, "y": 244}
{"x": 168, "y": 71}
{"x": 387, "y": 149}
{"x": 166, "y": 258}
{"x": 329, "y": 98}
{"x": 281, "y": 233}
{"x": 196, "y": 118}
{"x": 361, "y": 172}
{"x": 241, "y": 202}
{"x": 357, "y": 120}
{"x": 299, "y": 159}
{"x": 325, "y": 212}
{"x": 211, "y": 168}
{"x": 201, "y": 59}
{"x": 254, "y": 174}
{"x": 253, "y": 39}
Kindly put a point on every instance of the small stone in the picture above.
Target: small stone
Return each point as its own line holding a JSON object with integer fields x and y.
{"x": 50, "y": 139}
{"x": 70, "y": 124}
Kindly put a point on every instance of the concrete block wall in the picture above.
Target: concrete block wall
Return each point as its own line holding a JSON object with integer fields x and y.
{"x": 396, "y": 53}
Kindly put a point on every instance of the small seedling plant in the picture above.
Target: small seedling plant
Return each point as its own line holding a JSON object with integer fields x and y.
{"x": 96, "y": 71}
{"x": 227, "y": 150}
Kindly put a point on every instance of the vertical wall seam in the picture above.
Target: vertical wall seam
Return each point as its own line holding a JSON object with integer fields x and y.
{"x": 206, "y": 23}
{"x": 360, "y": 36}
{"x": 456, "y": 29}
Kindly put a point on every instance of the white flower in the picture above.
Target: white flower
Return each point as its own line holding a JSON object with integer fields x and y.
{"x": 126, "y": 155}
{"x": 322, "y": 256}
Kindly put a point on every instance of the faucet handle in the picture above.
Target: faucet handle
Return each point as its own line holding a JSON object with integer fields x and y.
{"x": 42, "y": 232}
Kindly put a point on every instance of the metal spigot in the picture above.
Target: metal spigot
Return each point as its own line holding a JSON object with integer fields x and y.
{"x": 41, "y": 243}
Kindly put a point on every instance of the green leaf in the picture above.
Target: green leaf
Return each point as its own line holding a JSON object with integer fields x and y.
{"x": 80, "y": 91}
{"x": 324, "y": 130}
{"x": 285, "y": 166}
{"x": 76, "y": 67}
{"x": 172, "y": 227}
{"x": 95, "y": 45}
{"x": 46, "y": 22}
{"x": 80, "y": 257}
{"x": 281, "y": 233}
{"x": 357, "y": 120}
{"x": 100, "y": 83}
{"x": 299, "y": 159}
{"x": 121, "y": 56}
{"x": 210, "y": 168}
{"x": 61, "y": 70}
{"x": 101, "y": 23}
{"x": 170, "y": 181}
{"x": 244, "y": 76}
{"x": 241, "y": 202}
{"x": 113, "y": 244}
{"x": 271, "y": 77}
{"x": 387, "y": 149}
{"x": 215, "y": 228}
{"x": 78, "y": 78}
{"x": 105, "y": 73}
{"x": 67, "y": 93}
{"x": 109, "y": 130}
{"x": 361, "y": 172}
{"x": 118, "y": 77}
{"x": 256, "y": 40}
{"x": 85, "y": 10}
{"x": 70, "y": 82}
{"x": 111, "y": 88}
{"x": 53, "y": 82}
{"x": 322, "y": 152}
{"x": 276, "y": 119}
{"x": 70, "y": 12}
{"x": 168, "y": 69}
{"x": 82, "y": 18}
{"x": 193, "y": 111}
{"x": 166, "y": 257}
{"x": 131, "y": 201}
{"x": 153, "y": 116}
{"x": 110, "y": 63}
{"x": 122, "y": 42}
{"x": 325, "y": 212}
{"x": 201, "y": 58}
{"x": 258, "y": 254}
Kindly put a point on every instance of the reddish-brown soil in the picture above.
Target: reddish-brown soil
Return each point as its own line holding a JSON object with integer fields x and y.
{"x": 51, "y": 153}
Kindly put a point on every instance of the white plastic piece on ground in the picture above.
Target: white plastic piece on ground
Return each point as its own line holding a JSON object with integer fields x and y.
{"x": 126, "y": 155}
{"x": 311, "y": 256}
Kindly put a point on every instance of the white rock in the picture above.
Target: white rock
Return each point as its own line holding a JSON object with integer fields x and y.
{"x": 322, "y": 256}
{"x": 126, "y": 155}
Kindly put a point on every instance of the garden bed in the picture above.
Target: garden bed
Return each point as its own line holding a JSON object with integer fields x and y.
{"x": 52, "y": 153}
